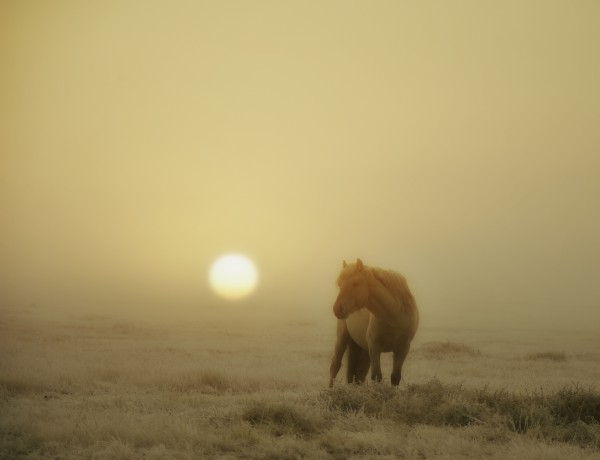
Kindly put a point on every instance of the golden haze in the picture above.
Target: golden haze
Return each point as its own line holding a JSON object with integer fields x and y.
{"x": 457, "y": 143}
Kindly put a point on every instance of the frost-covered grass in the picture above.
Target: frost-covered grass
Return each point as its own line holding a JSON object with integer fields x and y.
{"x": 100, "y": 388}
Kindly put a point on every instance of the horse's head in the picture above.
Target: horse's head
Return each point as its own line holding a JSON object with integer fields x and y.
{"x": 354, "y": 291}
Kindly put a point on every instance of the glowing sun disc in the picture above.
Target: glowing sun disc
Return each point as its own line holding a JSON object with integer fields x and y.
{"x": 233, "y": 276}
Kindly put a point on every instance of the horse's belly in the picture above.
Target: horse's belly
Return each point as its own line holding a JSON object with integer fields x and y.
{"x": 357, "y": 324}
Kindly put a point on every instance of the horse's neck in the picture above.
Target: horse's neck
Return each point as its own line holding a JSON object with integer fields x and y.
{"x": 381, "y": 302}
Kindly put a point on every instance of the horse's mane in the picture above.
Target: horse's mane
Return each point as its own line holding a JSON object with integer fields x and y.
{"x": 391, "y": 280}
{"x": 395, "y": 284}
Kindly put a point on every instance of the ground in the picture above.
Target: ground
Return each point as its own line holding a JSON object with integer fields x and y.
{"x": 100, "y": 387}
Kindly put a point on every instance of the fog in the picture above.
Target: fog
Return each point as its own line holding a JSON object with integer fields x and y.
{"x": 457, "y": 143}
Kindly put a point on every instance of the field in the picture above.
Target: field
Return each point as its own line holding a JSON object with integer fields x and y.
{"x": 101, "y": 387}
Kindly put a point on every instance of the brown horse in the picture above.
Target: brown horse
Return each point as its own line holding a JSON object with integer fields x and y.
{"x": 376, "y": 313}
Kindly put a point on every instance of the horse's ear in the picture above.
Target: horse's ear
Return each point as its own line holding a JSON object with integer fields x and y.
{"x": 359, "y": 265}
{"x": 344, "y": 264}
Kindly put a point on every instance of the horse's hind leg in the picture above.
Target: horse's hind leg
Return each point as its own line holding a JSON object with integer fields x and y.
{"x": 399, "y": 357}
{"x": 362, "y": 365}
{"x": 338, "y": 352}
{"x": 358, "y": 363}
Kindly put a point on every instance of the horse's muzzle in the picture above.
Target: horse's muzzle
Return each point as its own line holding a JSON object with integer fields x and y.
{"x": 339, "y": 311}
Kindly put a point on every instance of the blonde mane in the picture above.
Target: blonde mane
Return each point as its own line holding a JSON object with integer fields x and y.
{"x": 391, "y": 280}
{"x": 395, "y": 284}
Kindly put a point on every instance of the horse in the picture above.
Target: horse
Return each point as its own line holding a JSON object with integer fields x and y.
{"x": 376, "y": 314}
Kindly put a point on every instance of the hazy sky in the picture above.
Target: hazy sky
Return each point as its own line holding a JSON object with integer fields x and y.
{"x": 457, "y": 142}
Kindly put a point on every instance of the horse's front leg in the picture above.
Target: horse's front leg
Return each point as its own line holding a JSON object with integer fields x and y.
{"x": 375, "y": 355}
{"x": 374, "y": 351}
{"x": 338, "y": 352}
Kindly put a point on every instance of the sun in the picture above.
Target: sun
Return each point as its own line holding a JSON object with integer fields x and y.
{"x": 233, "y": 276}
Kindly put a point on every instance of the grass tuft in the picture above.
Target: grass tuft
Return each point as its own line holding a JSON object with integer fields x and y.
{"x": 207, "y": 382}
{"x": 555, "y": 356}
{"x": 574, "y": 404}
{"x": 283, "y": 418}
{"x": 443, "y": 350}
{"x": 432, "y": 403}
